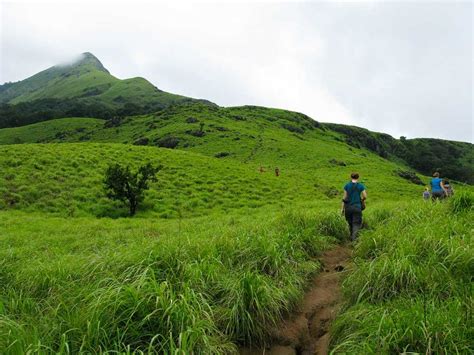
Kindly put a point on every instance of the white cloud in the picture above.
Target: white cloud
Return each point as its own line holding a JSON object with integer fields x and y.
{"x": 401, "y": 68}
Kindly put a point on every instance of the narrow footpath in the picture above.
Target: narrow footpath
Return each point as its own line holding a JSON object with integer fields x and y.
{"x": 306, "y": 331}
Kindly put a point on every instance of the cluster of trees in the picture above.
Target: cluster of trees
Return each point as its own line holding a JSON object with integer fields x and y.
{"x": 426, "y": 155}
{"x": 25, "y": 113}
{"x": 357, "y": 137}
{"x": 451, "y": 159}
{"x": 35, "y": 111}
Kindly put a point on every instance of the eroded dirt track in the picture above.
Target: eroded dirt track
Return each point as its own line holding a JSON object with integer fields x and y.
{"x": 306, "y": 330}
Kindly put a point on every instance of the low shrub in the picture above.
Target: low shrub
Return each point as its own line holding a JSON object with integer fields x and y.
{"x": 196, "y": 133}
{"x": 337, "y": 162}
{"x": 410, "y": 176}
{"x": 292, "y": 128}
{"x": 167, "y": 142}
{"x": 141, "y": 141}
{"x": 191, "y": 120}
{"x": 222, "y": 154}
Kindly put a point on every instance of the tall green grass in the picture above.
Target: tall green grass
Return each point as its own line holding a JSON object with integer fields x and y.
{"x": 411, "y": 287}
{"x": 67, "y": 180}
{"x": 224, "y": 251}
{"x": 92, "y": 286}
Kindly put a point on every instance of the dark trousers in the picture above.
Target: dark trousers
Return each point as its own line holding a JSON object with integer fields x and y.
{"x": 353, "y": 216}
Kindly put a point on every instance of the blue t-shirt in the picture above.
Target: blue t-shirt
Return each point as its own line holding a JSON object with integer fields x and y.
{"x": 353, "y": 193}
{"x": 436, "y": 185}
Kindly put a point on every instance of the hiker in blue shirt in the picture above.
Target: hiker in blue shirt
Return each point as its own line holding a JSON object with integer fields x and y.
{"x": 353, "y": 204}
{"x": 438, "y": 191}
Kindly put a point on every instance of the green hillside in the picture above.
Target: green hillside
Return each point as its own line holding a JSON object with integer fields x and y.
{"x": 217, "y": 255}
{"x": 410, "y": 290}
{"x": 450, "y": 158}
{"x": 221, "y": 250}
{"x": 201, "y": 285}
{"x": 84, "y": 83}
{"x": 66, "y": 179}
{"x": 234, "y": 143}
{"x": 218, "y": 249}
{"x": 49, "y": 131}
{"x": 86, "y": 89}
{"x": 86, "y": 79}
{"x": 263, "y": 136}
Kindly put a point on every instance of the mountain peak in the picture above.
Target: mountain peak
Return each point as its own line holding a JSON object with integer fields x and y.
{"x": 88, "y": 58}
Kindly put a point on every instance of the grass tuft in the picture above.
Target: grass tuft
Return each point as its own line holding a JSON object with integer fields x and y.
{"x": 410, "y": 291}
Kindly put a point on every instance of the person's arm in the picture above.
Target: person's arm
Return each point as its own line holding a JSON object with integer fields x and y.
{"x": 344, "y": 198}
{"x": 444, "y": 188}
{"x": 364, "y": 195}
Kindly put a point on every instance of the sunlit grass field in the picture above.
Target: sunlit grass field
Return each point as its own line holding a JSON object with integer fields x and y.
{"x": 221, "y": 249}
{"x": 219, "y": 252}
{"x": 208, "y": 284}
{"x": 67, "y": 180}
{"x": 202, "y": 285}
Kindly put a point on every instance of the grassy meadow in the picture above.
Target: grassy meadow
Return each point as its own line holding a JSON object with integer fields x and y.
{"x": 410, "y": 288}
{"x": 221, "y": 249}
{"x": 83, "y": 284}
{"x": 218, "y": 252}
{"x": 67, "y": 180}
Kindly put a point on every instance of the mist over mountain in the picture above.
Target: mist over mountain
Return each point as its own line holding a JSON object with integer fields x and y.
{"x": 81, "y": 88}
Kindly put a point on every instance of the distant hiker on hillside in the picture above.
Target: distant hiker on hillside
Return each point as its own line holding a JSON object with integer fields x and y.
{"x": 353, "y": 204}
{"x": 438, "y": 191}
{"x": 448, "y": 187}
{"x": 277, "y": 171}
{"x": 426, "y": 194}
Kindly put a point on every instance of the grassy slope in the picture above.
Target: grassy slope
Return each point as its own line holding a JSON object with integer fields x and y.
{"x": 136, "y": 90}
{"x": 69, "y": 86}
{"x": 67, "y": 179}
{"x": 65, "y": 171}
{"x": 412, "y": 288}
{"x": 219, "y": 280}
{"x": 49, "y": 131}
{"x": 201, "y": 285}
{"x": 202, "y": 282}
{"x": 254, "y": 137}
{"x": 89, "y": 82}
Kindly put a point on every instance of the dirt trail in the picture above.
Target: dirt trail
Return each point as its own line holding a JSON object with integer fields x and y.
{"x": 306, "y": 330}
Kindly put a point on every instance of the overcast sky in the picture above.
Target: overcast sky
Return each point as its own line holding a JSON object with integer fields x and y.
{"x": 403, "y": 68}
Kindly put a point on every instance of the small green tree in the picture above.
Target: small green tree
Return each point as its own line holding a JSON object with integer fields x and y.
{"x": 124, "y": 185}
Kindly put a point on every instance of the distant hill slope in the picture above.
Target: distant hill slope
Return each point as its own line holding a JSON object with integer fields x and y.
{"x": 260, "y": 136}
{"x": 67, "y": 180}
{"x": 452, "y": 159}
{"x": 74, "y": 89}
{"x": 139, "y": 113}
{"x": 61, "y": 81}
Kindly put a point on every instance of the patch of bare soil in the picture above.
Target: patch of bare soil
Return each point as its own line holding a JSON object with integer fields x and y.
{"x": 306, "y": 331}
